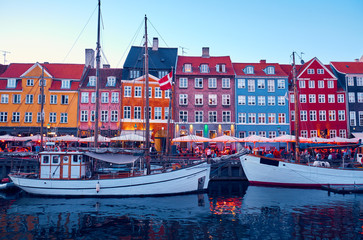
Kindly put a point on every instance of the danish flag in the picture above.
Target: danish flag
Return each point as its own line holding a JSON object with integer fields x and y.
{"x": 166, "y": 81}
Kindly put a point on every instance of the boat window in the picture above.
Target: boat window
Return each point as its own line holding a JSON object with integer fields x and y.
{"x": 81, "y": 159}
{"x": 65, "y": 159}
{"x": 45, "y": 159}
{"x": 55, "y": 159}
{"x": 75, "y": 158}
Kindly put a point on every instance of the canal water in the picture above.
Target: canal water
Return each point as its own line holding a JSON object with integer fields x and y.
{"x": 230, "y": 210}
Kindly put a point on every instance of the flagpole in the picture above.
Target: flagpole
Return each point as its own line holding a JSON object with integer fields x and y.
{"x": 169, "y": 116}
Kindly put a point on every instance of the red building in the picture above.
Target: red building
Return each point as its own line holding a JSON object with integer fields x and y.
{"x": 321, "y": 102}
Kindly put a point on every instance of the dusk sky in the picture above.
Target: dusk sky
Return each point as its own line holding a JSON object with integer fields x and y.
{"x": 247, "y": 31}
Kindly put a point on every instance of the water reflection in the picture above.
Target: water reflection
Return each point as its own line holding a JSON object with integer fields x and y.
{"x": 230, "y": 210}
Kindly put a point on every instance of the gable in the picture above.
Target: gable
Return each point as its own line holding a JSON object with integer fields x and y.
{"x": 315, "y": 64}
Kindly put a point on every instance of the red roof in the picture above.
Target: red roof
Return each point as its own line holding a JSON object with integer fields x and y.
{"x": 259, "y": 69}
{"x": 211, "y": 61}
{"x": 15, "y": 70}
{"x": 348, "y": 67}
{"x": 2, "y": 68}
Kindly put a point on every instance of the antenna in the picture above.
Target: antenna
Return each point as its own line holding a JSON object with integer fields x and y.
{"x": 4, "y": 53}
{"x": 183, "y": 50}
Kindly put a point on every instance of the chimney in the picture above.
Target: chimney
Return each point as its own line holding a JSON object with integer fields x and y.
{"x": 155, "y": 44}
{"x": 263, "y": 61}
{"x": 90, "y": 58}
{"x": 106, "y": 66}
{"x": 205, "y": 52}
{"x": 356, "y": 60}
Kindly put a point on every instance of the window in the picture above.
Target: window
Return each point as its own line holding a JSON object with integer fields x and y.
{"x": 93, "y": 116}
{"x": 270, "y": 70}
{"x": 252, "y": 118}
{"x": 242, "y": 118}
{"x": 92, "y": 81}
{"x": 29, "y": 99}
{"x": 198, "y": 99}
{"x": 331, "y": 98}
{"x": 226, "y": 99}
{"x": 312, "y": 98}
{"x": 360, "y": 118}
{"x": 241, "y": 83}
{"x": 150, "y": 92}
{"x": 262, "y": 118}
{"x": 3, "y": 116}
{"x": 204, "y": 68}
{"x": 134, "y": 74}
{"x": 53, "y": 99}
{"x": 104, "y": 116}
{"x": 167, "y": 93}
{"x": 302, "y": 98}
{"x": 137, "y": 112}
{"x": 261, "y": 83}
{"x": 221, "y": 67}
{"x": 39, "y": 117}
{"x": 304, "y": 133}
{"x": 248, "y": 70}
{"x": 212, "y": 82}
{"x": 64, "y": 99}
{"x": 115, "y": 97}
{"x": 251, "y": 85}
{"x": 183, "y": 99}
{"x": 251, "y": 100}
{"x": 250, "y": 133}
{"x": 360, "y": 97}
{"x": 359, "y": 81}
{"x": 272, "y": 118}
{"x": 320, "y": 84}
{"x": 281, "y": 84}
{"x": 351, "y": 97}
{"x": 292, "y": 114}
{"x": 242, "y": 134}
{"x": 64, "y": 118}
{"x": 157, "y": 113}
{"x": 270, "y": 85}
{"x": 261, "y": 100}
{"x": 311, "y": 84}
{"x": 66, "y": 84}
{"x": 303, "y": 116}
{"x": 212, "y": 99}
{"x": 11, "y": 83}
{"x": 40, "y": 99}
{"x": 114, "y": 116}
{"x": 166, "y": 113}
{"x": 241, "y": 100}
{"x": 292, "y": 98}
{"x": 212, "y": 116}
{"x": 111, "y": 81}
{"x": 312, "y": 115}
{"x": 332, "y": 115}
{"x": 183, "y": 82}
{"x": 342, "y": 133}
{"x": 311, "y": 71}
{"x": 162, "y": 74}
{"x": 30, "y": 82}
{"x": 333, "y": 133}
{"x": 137, "y": 92}
{"x": 52, "y": 117}
{"x": 28, "y": 117}
{"x": 352, "y": 119}
{"x": 4, "y": 98}
{"x": 44, "y": 81}
{"x": 183, "y": 116}
{"x": 150, "y": 112}
{"x": 320, "y": 71}
{"x": 313, "y": 133}
{"x": 199, "y": 116}
{"x": 187, "y": 67}
{"x": 84, "y": 116}
{"x": 321, "y": 98}
{"x": 322, "y": 115}
{"x": 282, "y": 118}
{"x": 350, "y": 81}
{"x": 16, "y": 117}
{"x": 226, "y": 116}
{"x": 198, "y": 82}
{"x": 340, "y": 98}
{"x": 330, "y": 84}
{"x": 301, "y": 83}
{"x": 127, "y": 112}
{"x": 271, "y": 100}
{"x": 341, "y": 115}
{"x": 272, "y": 134}
{"x": 281, "y": 100}
{"x": 127, "y": 91}
{"x": 84, "y": 97}
{"x": 104, "y": 97}
{"x": 226, "y": 83}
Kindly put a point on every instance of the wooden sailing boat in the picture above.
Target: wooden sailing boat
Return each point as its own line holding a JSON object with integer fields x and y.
{"x": 261, "y": 170}
{"x": 87, "y": 174}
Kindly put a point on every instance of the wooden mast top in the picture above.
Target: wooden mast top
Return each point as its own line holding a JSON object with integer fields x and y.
{"x": 98, "y": 62}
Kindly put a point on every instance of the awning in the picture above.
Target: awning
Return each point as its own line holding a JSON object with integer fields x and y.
{"x": 113, "y": 157}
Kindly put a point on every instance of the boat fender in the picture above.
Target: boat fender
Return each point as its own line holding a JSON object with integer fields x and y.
{"x": 98, "y": 187}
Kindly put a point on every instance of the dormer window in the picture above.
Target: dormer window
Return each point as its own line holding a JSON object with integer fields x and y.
{"x": 249, "y": 70}
{"x": 270, "y": 70}
{"x": 11, "y": 83}
{"x": 187, "y": 67}
{"x": 111, "y": 81}
{"x": 92, "y": 81}
{"x": 134, "y": 74}
{"x": 221, "y": 67}
{"x": 204, "y": 68}
{"x": 66, "y": 84}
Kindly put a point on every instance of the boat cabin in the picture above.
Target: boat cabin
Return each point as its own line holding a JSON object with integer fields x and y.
{"x": 62, "y": 165}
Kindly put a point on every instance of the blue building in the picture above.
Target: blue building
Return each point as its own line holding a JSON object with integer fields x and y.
{"x": 261, "y": 100}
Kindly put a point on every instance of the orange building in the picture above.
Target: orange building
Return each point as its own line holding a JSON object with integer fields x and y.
{"x": 20, "y": 92}
{"x": 133, "y": 105}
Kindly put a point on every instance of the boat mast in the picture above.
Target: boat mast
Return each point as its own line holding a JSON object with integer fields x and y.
{"x": 98, "y": 60}
{"x": 42, "y": 110}
{"x": 168, "y": 124}
{"x": 297, "y": 154}
{"x": 147, "y": 120}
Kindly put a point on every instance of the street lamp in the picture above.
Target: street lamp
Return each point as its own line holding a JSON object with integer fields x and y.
{"x": 135, "y": 127}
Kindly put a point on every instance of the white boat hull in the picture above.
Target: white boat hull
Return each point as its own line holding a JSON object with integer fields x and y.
{"x": 279, "y": 173}
{"x": 191, "y": 179}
